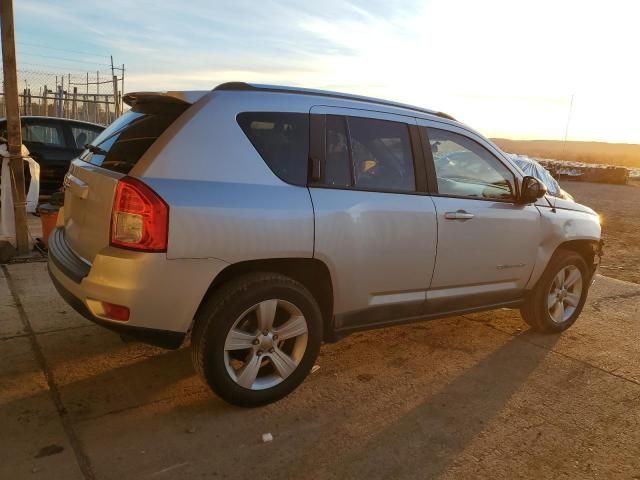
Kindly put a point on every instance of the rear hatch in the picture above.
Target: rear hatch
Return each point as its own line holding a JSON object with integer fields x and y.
{"x": 91, "y": 182}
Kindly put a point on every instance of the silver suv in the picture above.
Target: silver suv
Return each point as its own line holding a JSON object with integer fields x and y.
{"x": 265, "y": 220}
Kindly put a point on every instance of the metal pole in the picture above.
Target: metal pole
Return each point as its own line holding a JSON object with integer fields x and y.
{"x": 566, "y": 130}
{"x": 14, "y": 132}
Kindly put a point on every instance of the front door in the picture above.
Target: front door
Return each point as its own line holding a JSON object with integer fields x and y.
{"x": 487, "y": 243}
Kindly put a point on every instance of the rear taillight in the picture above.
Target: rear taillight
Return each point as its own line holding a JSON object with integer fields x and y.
{"x": 140, "y": 218}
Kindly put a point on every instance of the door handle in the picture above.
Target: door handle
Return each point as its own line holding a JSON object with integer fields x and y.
{"x": 459, "y": 215}
{"x": 76, "y": 186}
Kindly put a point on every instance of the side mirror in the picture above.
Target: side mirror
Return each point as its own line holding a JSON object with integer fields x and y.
{"x": 532, "y": 189}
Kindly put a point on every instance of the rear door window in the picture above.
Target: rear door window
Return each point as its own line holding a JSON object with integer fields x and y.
{"x": 83, "y": 135}
{"x": 381, "y": 154}
{"x": 282, "y": 140}
{"x": 123, "y": 143}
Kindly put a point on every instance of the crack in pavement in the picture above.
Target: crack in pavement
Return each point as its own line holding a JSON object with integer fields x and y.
{"x": 81, "y": 457}
{"x": 596, "y": 305}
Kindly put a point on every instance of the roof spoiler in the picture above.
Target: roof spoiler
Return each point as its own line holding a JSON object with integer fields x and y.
{"x": 175, "y": 97}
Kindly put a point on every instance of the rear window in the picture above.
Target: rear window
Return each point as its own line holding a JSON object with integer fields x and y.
{"x": 282, "y": 140}
{"x": 123, "y": 143}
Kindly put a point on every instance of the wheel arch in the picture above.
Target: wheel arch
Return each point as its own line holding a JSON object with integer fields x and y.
{"x": 586, "y": 248}
{"x": 310, "y": 272}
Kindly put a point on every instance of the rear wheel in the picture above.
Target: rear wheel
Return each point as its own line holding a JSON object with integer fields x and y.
{"x": 558, "y": 298}
{"x": 256, "y": 339}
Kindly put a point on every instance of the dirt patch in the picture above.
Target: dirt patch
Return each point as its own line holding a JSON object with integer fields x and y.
{"x": 619, "y": 208}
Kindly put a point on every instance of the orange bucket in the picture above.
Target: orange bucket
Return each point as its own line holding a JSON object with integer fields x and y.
{"x": 49, "y": 218}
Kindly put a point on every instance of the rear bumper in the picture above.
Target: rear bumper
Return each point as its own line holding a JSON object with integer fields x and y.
{"x": 162, "y": 295}
{"x": 159, "y": 338}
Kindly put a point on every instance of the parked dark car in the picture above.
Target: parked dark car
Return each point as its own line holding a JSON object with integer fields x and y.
{"x": 53, "y": 143}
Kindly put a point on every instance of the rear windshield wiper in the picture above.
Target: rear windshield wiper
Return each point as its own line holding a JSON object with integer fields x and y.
{"x": 95, "y": 149}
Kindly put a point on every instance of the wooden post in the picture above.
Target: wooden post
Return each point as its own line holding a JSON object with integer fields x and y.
{"x": 95, "y": 109}
{"x": 14, "y": 132}
{"x": 107, "y": 111}
{"x": 45, "y": 102}
{"x": 74, "y": 104}
{"x": 57, "y": 101}
{"x": 85, "y": 105}
{"x": 116, "y": 104}
{"x": 29, "y": 102}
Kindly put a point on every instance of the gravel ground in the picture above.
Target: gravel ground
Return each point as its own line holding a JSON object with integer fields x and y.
{"x": 476, "y": 396}
{"x": 619, "y": 207}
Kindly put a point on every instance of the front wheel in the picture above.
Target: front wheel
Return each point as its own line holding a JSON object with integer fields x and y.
{"x": 256, "y": 339}
{"x": 557, "y": 300}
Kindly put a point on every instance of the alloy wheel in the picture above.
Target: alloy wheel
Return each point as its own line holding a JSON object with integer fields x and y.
{"x": 266, "y": 344}
{"x": 564, "y": 294}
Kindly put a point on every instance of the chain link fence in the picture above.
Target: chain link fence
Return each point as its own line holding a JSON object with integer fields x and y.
{"x": 90, "y": 96}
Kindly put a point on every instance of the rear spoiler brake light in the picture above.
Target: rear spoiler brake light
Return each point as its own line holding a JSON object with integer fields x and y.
{"x": 176, "y": 98}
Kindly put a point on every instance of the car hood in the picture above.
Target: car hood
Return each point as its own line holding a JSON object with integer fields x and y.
{"x": 571, "y": 205}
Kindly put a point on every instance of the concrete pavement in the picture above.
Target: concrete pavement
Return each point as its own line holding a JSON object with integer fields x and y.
{"x": 474, "y": 396}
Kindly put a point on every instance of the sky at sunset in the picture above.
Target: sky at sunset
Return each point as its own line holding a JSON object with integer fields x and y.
{"x": 507, "y": 68}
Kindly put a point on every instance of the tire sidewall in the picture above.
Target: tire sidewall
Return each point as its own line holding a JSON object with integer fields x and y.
{"x": 219, "y": 324}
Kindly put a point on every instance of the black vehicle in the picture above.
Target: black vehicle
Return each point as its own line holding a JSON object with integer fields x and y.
{"x": 53, "y": 143}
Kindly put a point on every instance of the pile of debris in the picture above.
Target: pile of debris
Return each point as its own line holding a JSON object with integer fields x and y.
{"x": 589, "y": 172}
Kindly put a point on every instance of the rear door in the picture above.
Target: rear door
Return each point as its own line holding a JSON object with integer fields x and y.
{"x": 375, "y": 226}
{"x": 487, "y": 243}
{"x": 91, "y": 182}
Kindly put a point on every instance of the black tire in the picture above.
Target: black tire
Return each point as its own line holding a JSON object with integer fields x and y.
{"x": 216, "y": 317}
{"x": 535, "y": 310}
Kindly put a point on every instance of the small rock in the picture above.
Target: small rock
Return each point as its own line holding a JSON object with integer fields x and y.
{"x": 267, "y": 437}
{"x": 190, "y": 430}
{"x": 315, "y": 368}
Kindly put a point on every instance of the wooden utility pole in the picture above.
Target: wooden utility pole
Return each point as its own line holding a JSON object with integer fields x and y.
{"x": 14, "y": 132}
{"x": 45, "y": 102}
{"x": 74, "y": 104}
{"x": 116, "y": 104}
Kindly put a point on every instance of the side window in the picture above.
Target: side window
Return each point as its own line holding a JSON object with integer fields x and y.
{"x": 466, "y": 169}
{"x": 282, "y": 140}
{"x": 381, "y": 155}
{"x": 48, "y": 134}
{"x": 83, "y": 135}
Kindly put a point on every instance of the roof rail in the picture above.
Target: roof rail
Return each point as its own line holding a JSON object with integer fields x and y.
{"x": 242, "y": 86}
